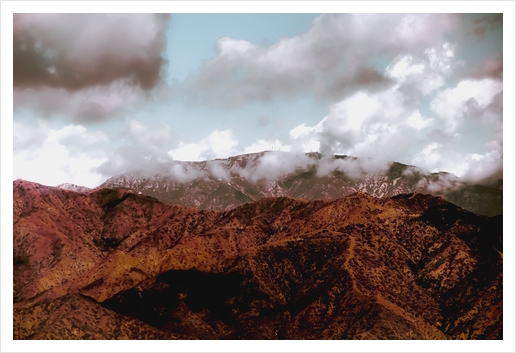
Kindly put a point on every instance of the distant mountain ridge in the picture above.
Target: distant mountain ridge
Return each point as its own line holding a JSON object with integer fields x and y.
{"x": 73, "y": 187}
{"x": 238, "y": 185}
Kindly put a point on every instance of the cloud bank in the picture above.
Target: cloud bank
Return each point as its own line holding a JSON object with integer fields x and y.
{"x": 86, "y": 66}
{"x": 396, "y": 87}
{"x": 333, "y": 59}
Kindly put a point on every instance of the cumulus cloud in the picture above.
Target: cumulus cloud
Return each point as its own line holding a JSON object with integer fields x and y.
{"x": 265, "y": 145}
{"x": 413, "y": 105}
{"x": 472, "y": 167}
{"x": 368, "y": 126}
{"x": 468, "y": 99}
{"x": 219, "y": 144}
{"x": 142, "y": 149}
{"x": 424, "y": 73}
{"x": 26, "y": 138}
{"x": 86, "y": 66}
{"x": 331, "y": 59}
{"x": 75, "y": 51}
{"x": 55, "y": 156}
{"x": 305, "y": 138}
{"x": 388, "y": 124}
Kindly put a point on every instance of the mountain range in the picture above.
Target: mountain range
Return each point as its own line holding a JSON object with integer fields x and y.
{"x": 114, "y": 264}
{"x": 228, "y": 183}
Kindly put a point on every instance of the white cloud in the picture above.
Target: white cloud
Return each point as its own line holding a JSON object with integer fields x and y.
{"x": 321, "y": 60}
{"x": 187, "y": 152}
{"x": 266, "y": 145}
{"x": 454, "y": 104}
{"x": 430, "y": 157}
{"x": 305, "y": 138}
{"x": 231, "y": 48}
{"x": 219, "y": 144}
{"x": 468, "y": 166}
{"x": 416, "y": 121}
{"x": 401, "y": 69}
{"x": 64, "y": 156}
{"x": 427, "y": 72}
{"x": 28, "y": 138}
{"x": 273, "y": 164}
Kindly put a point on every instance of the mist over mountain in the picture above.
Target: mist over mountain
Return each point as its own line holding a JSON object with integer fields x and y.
{"x": 227, "y": 183}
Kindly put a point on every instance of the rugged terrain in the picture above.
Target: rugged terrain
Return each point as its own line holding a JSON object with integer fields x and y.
{"x": 227, "y": 183}
{"x": 112, "y": 264}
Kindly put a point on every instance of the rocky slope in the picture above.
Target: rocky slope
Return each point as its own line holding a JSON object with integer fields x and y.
{"x": 225, "y": 184}
{"x": 73, "y": 187}
{"x": 112, "y": 264}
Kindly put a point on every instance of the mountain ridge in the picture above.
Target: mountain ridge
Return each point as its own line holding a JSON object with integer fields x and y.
{"x": 409, "y": 267}
{"x": 311, "y": 177}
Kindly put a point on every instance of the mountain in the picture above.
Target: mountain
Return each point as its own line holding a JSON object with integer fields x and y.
{"x": 228, "y": 183}
{"x": 73, "y": 187}
{"x": 112, "y": 264}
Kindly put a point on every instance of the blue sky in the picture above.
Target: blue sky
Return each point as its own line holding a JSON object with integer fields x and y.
{"x": 102, "y": 95}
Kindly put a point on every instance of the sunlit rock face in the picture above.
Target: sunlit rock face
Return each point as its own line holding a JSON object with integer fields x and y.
{"x": 113, "y": 264}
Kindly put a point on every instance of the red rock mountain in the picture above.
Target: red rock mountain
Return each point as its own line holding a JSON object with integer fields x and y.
{"x": 112, "y": 264}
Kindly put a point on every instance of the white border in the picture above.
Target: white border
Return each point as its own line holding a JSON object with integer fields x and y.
{"x": 8, "y": 8}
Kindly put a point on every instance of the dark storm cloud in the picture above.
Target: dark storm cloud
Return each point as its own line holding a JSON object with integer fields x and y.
{"x": 486, "y": 22}
{"x": 86, "y": 67}
{"x": 331, "y": 59}
{"x": 75, "y": 51}
{"x": 489, "y": 68}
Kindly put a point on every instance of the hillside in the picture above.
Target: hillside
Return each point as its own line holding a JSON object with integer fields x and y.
{"x": 112, "y": 264}
{"x": 228, "y": 183}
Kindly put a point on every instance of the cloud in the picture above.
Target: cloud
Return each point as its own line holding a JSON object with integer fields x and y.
{"x": 84, "y": 106}
{"x": 272, "y": 165}
{"x": 25, "y": 138}
{"x": 368, "y": 124}
{"x": 365, "y": 125}
{"x": 332, "y": 59}
{"x": 55, "y": 156}
{"x": 486, "y": 22}
{"x": 489, "y": 68}
{"x": 184, "y": 173}
{"x": 86, "y": 66}
{"x": 473, "y": 167}
{"x": 75, "y": 51}
{"x": 219, "y": 169}
{"x": 426, "y": 72}
{"x": 416, "y": 121}
{"x": 140, "y": 150}
{"x": 266, "y": 145}
{"x": 305, "y": 138}
{"x": 468, "y": 98}
{"x": 219, "y": 144}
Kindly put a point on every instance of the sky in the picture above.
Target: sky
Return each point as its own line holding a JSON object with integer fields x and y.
{"x": 100, "y": 95}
